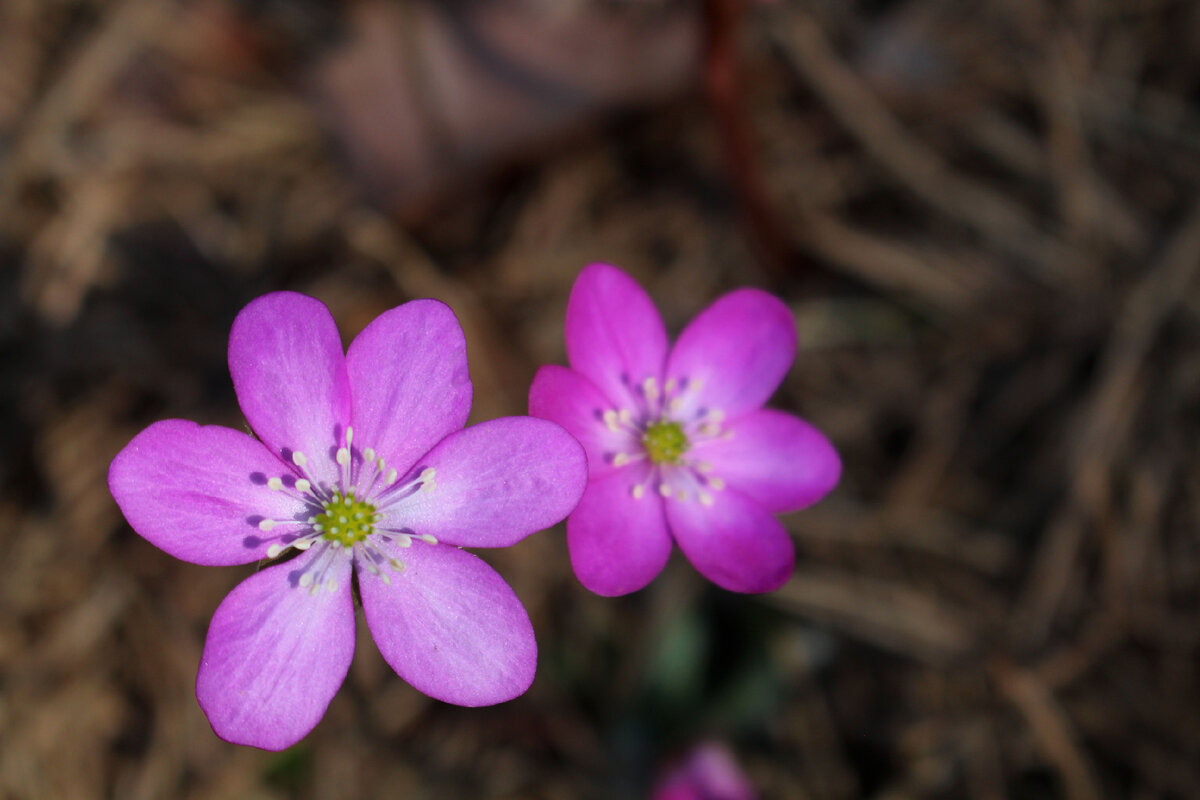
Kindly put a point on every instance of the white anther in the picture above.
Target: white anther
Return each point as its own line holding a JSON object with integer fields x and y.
{"x": 610, "y": 419}
{"x": 669, "y": 386}
{"x": 387, "y": 581}
{"x": 369, "y": 454}
{"x": 397, "y": 564}
{"x": 620, "y": 459}
{"x": 650, "y": 388}
{"x": 299, "y": 459}
{"x": 716, "y": 483}
{"x": 391, "y": 476}
{"x": 664, "y": 489}
{"x": 266, "y": 525}
{"x": 695, "y": 385}
{"x": 625, "y": 415}
{"x": 638, "y": 491}
{"x": 716, "y": 415}
{"x": 681, "y": 495}
{"x": 675, "y": 404}
{"x": 349, "y": 435}
{"x": 710, "y": 429}
{"x": 275, "y": 483}
{"x": 428, "y": 474}
{"x": 303, "y": 485}
{"x": 331, "y": 585}
{"x": 306, "y": 579}
{"x": 343, "y": 456}
{"x": 274, "y": 550}
{"x": 428, "y": 486}
{"x": 429, "y": 538}
{"x": 403, "y": 540}
{"x": 303, "y": 544}
{"x": 706, "y": 499}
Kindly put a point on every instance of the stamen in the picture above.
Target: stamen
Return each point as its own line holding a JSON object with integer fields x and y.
{"x": 650, "y": 388}
{"x": 303, "y": 486}
{"x": 303, "y": 544}
{"x": 704, "y": 466}
{"x": 274, "y": 550}
{"x": 266, "y": 524}
{"x": 331, "y": 585}
{"x": 343, "y": 456}
{"x": 625, "y": 415}
{"x": 275, "y": 484}
{"x": 403, "y": 540}
{"x": 638, "y": 491}
{"x": 391, "y": 474}
{"x": 306, "y": 579}
{"x": 664, "y": 489}
{"x": 397, "y": 564}
{"x": 669, "y": 386}
{"x": 299, "y": 459}
{"x": 429, "y": 538}
{"x": 369, "y": 454}
{"x": 349, "y": 435}
{"x": 610, "y": 419}
{"x": 706, "y": 499}
{"x": 716, "y": 483}
{"x": 681, "y": 495}
{"x": 675, "y": 403}
{"x": 620, "y": 459}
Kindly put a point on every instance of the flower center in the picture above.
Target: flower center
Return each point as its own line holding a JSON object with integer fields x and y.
{"x": 665, "y": 442}
{"x": 345, "y": 519}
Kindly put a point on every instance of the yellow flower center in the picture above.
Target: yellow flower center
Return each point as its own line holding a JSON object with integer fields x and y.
{"x": 665, "y": 442}
{"x": 346, "y": 520}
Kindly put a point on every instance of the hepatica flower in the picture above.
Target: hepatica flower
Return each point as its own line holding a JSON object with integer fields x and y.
{"x": 362, "y": 469}
{"x": 679, "y": 447}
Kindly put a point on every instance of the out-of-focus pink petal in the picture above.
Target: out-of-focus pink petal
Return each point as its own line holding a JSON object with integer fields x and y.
{"x": 566, "y": 397}
{"x": 289, "y": 373}
{"x": 775, "y": 459}
{"x": 734, "y": 542}
{"x": 450, "y": 626}
{"x": 275, "y": 655}
{"x": 199, "y": 492}
{"x": 495, "y": 483}
{"x": 409, "y": 381}
{"x": 614, "y": 333}
{"x": 618, "y": 543}
{"x": 739, "y": 349}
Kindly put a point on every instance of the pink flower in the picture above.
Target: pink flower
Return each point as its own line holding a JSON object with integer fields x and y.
{"x": 363, "y": 469}
{"x": 678, "y": 444}
{"x": 710, "y": 773}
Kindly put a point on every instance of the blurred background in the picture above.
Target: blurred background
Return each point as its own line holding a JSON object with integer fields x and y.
{"x": 985, "y": 216}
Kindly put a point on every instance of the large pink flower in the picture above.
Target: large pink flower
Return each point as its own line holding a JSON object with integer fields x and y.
{"x": 363, "y": 468}
{"x": 678, "y": 444}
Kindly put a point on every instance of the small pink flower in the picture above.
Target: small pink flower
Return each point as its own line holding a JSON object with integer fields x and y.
{"x": 678, "y": 444}
{"x": 710, "y": 773}
{"x": 362, "y": 467}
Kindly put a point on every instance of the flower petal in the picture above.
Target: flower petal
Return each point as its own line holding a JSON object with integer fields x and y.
{"x": 495, "y": 483}
{"x": 569, "y": 399}
{"x": 199, "y": 492}
{"x": 735, "y": 543}
{"x": 618, "y": 543}
{"x": 275, "y": 655}
{"x": 450, "y": 626}
{"x": 775, "y": 459}
{"x": 739, "y": 349}
{"x": 289, "y": 373}
{"x": 409, "y": 381}
{"x": 614, "y": 333}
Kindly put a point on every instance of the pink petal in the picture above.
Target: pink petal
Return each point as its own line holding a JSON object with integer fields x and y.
{"x": 614, "y": 333}
{"x": 409, "y": 381}
{"x": 495, "y": 483}
{"x": 289, "y": 373}
{"x": 275, "y": 655}
{"x": 567, "y": 398}
{"x": 735, "y": 543}
{"x": 739, "y": 348}
{"x": 450, "y": 626}
{"x": 199, "y": 492}
{"x": 775, "y": 459}
{"x": 618, "y": 543}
